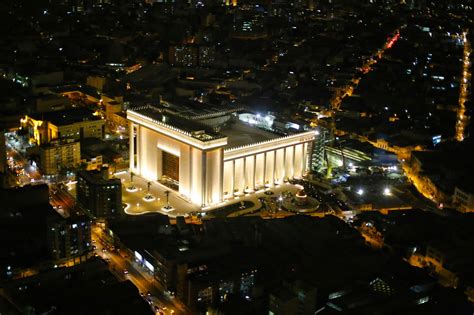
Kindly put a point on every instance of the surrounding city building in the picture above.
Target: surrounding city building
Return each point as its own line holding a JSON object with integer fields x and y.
{"x": 74, "y": 290}
{"x": 295, "y": 298}
{"x": 33, "y": 79}
{"x": 40, "y": 234}
{"x": 3, "y": 153}
{"x": 184, "y": 56}
{"x": 200, "y": 157}
{"x": 91, "y": 162}
{"x": 75, "y": 123}
{"x": 249, "y": 25}
{"x": 463, "y": 199}
{"x": 49, "y": 103}
{"x": 99, "y": 194}
{"x": 415, "y": 236}
{"x": 59, "y": 154}
{"x": 69, "y": 237}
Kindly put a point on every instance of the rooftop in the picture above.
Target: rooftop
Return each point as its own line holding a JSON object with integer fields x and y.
{"x": 187, "y": 121}
{"x": 196, "y": 110}
{"x": 239, "y": 134}
{"x": 67, "y": 117}
{"x": 192, "y": 128}
{"x": 75, "y": 290}
{"x": 77, "y": 87}
{"x": 97, "y": 177}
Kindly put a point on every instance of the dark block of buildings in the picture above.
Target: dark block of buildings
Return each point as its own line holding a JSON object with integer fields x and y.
{"x": 101, "y": 196}
{"x": 88, "y": 288}
{"x": 34, "y": 234}
{"x": 69, "y": 237}
{"x": 253, "y": 261}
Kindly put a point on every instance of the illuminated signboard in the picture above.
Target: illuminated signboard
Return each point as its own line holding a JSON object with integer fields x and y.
{"x": 149, "y": 266}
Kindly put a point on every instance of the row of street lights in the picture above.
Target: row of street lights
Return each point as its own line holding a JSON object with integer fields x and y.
{"x": 462, "y": 119}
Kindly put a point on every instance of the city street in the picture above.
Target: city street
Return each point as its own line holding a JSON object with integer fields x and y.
{"x": 64, "y": 203}
{"x": 125, "y": 269}
{"x": 462, "y": 118}
{"x": 26, "y": 173}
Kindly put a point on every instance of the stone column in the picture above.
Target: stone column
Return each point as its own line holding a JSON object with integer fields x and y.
{"x": 131, "y": 148}
{"x": 233, "y": 178}
{"x": 264, "y": 168}
{"x": 254, "y": 169}
{"x": 139, "y": 151}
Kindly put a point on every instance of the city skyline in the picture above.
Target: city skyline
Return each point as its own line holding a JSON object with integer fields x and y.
{"x": 236, "y": 157}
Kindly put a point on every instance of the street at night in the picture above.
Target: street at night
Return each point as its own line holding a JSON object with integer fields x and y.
{"x": 236, "y": 157}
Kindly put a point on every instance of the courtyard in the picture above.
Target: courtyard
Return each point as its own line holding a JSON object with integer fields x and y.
{"x": 136, "y": 202}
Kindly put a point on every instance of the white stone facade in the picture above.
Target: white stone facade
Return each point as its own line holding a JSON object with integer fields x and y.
{"x": 209, "y": 171}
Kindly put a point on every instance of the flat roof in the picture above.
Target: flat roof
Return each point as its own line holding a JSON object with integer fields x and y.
{"x": 189, "y": 126}
{"x": 67, "y": 117}
{"x": 76, "y": 87}
{"x": 97, "y": 178}
{"x": 239, "y": 134}
{"x": 194, "y": 110}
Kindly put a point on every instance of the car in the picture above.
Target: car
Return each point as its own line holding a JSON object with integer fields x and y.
{"x": 148, "y": 293}
{"x": 125, "y": 272}
{"x": 104, "y": 250}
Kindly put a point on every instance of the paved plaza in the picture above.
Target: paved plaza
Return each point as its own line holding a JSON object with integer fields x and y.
{"x": 137, "y": 205}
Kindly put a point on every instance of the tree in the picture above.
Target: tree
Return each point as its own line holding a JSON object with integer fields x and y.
{"x": 167, "y": 194}
{"x": 132, "y": 186}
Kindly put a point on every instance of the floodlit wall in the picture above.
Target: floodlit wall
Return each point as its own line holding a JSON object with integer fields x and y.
{"x": 200, "y": 171}
{"x": 255, "y": 166}
{"x": 207, "y": 172}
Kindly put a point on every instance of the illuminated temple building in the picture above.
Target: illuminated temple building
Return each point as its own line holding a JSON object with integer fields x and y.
{"x": 212, "y": 156}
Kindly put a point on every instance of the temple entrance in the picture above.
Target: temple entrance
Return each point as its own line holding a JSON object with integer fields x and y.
{"x": 170, "y": 170}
